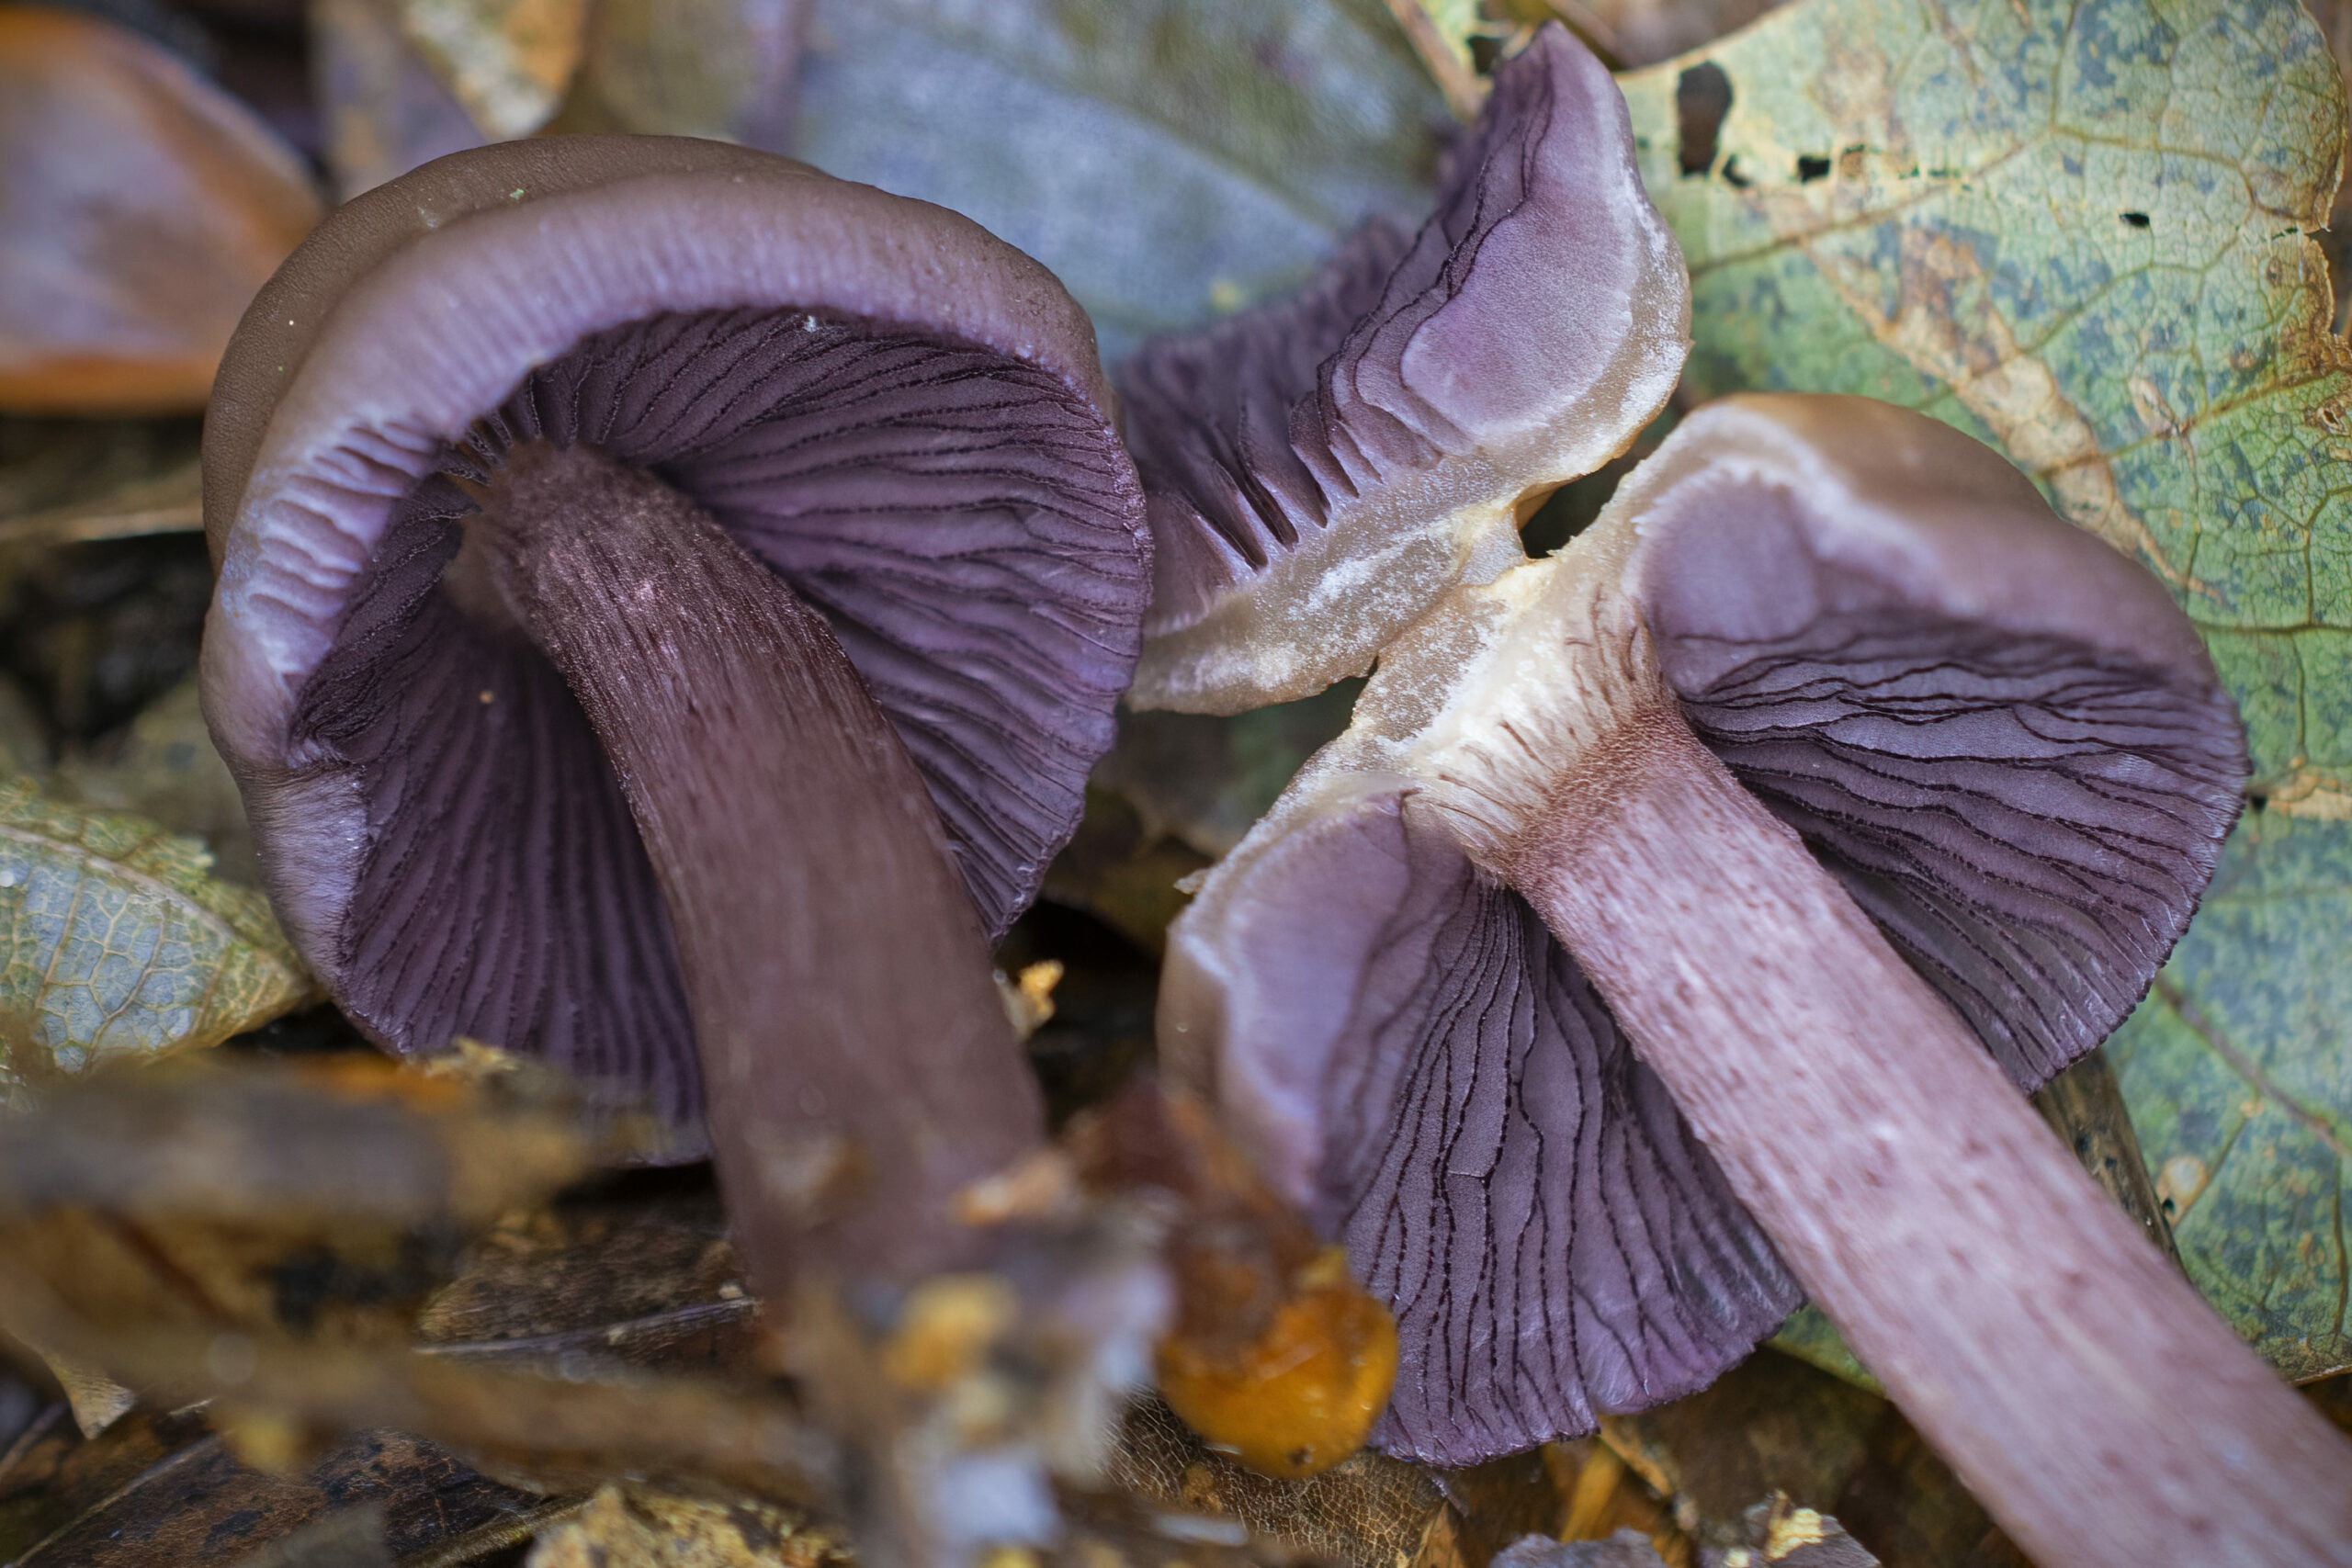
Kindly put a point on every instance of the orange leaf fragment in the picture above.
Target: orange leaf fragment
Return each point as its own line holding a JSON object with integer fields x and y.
{"x": 141, "y": 210}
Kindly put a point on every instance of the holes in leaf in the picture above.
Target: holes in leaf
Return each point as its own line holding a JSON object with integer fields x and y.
{"x": 2137, "y": 220}
{"x": 1810, "y": 168}
{"x": 1702, "y": 98}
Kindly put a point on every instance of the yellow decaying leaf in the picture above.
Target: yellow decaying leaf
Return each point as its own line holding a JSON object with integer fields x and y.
{"x": 716, "y": 67}
{"x": 117, "y": 941}
{"x": 660, "y": 1531}
{"x": 506, "y": 61}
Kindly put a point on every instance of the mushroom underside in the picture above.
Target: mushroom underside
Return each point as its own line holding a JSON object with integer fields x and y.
{"x": 1415, "y": 390}
{"x": 1520, "y": 1189}
{"x": 2028, "y": 817}
{"x": 951, "y": 513}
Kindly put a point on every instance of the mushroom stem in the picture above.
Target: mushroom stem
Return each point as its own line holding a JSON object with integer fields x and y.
{"x": 2075, "y": 1380}
{"x": 858, "y": 1067}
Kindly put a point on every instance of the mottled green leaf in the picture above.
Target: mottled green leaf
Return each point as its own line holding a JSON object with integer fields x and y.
{"x": 1169, "y": 159}
{"x": 2239, "y": 1074}
{"x": 116, "y": 941}
{"x": 2082, "y": 233}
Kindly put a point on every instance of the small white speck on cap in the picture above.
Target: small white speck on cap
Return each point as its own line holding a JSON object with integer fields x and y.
{"x": 807, "y": 323}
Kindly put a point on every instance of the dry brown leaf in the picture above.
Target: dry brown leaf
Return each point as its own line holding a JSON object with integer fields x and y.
{"x": 142, "y": 209}
{"x": 320, "y": 1200}
{"x": 506, "y": 62}
{"x": 1367, "y": 1512}
{"x": 592, "y": 1287}
{"x": 1774, "y": 1425}
{"x": 653, "y": 1529}
{"x": 716, "y": 67}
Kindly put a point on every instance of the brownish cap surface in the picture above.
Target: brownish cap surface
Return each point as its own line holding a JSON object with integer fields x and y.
{"x": 285, "y": 317}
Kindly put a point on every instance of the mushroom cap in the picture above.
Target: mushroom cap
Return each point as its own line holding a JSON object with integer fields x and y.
{"x": 143, "y": 206}
{"x": 1417, "y": 1064}
{"x": 1322, "y": 467}
{"x": 2001, "y": 736}
{"x": 900, "y": 414}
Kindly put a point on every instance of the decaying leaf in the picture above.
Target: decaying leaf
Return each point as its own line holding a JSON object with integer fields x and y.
{"x": 181, "y": 1498}
{"x": 349, "y": 1538}
{"x": 318, "y": 1200}
{"x": 2084, "y": 237}
{"x": 716, "y": 67}
{"x": 650, "y": 1529}
{"x": 262, "y": 1235}
{"x": 594, "y": 1286}
{"x": 141, "y": 210}
{"x": 2238, "y": 1069}
{"x": 1441, "y": 32}
{"x": 163, "y": 766}
{"x": 121, "y": 944}
{"x": 1170, "y": 160}
{"x": 1780, "y": 1531}
{"x": 1367, "y": 1512}
{"x": 2068, "y": 235}
{"x": 506, "y": 62}
{"x": 96, "y": 1401}
{"x": 1774, "y": 1426}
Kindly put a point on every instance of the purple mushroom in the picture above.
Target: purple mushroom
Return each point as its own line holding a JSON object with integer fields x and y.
{"x": 1321, "y": 468}
{"x": 669, "y": 603}
{"x": 1858, "y": 793}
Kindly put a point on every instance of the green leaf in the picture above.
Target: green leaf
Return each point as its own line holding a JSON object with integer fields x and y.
{"x": 1170, "y": 160}
{"x": 2239, "y": 1074}
{"x": 116, "y": 941}
{"x": 2082, "y": 233}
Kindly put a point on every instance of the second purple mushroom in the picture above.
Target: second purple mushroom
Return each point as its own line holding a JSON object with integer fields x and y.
{"x": 670, "y": 601}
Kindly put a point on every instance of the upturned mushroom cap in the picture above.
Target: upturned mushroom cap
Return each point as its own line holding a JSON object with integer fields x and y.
{"x": 1319, "y": 469}
{"x": 1415, "y": 1061}
{"x": 2001, "y": 737}
{"x": 896, "y": 412}
{"x": 141, "y": 206}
